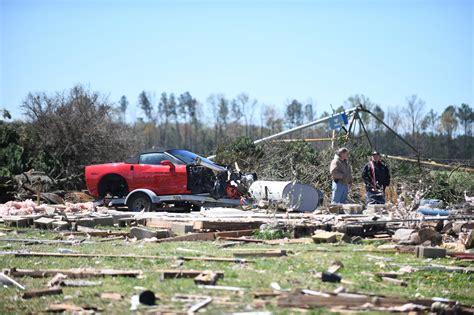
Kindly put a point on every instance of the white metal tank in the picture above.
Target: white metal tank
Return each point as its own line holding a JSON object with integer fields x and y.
{"x": 292, "y": 195}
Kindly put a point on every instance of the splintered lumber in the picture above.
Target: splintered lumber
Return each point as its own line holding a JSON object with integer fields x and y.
{"x": 206, "y": 277}
{"x": 72, "y": 273}
{"x": 43, "y": 292}
{"x": 178, "y": 273}
{"x": 226, "y": 225}
{"x": 268, "y": 253}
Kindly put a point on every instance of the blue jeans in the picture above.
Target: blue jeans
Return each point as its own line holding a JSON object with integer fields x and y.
{"x": 339, "y": 192}
{"x": 375, "y": 198}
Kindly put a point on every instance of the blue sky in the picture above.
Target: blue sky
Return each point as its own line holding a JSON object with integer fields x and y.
{"x": 273, "y": 50}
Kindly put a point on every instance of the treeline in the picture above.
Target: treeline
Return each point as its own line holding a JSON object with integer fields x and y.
{"x": 63, "y": 132}
{"x": 179, "y": 121}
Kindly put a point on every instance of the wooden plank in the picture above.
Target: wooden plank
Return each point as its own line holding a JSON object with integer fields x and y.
{"x": 97, "y": 233}
{"x": 226, "y": 225}
{"x": 312, "y": 301}
{"x": 238, "y": 233}
{"x": 73, "y": 273}
{"x": 395, "y": 281}
{"x": 268, "y": 253}
{"x": 179, "y": 273}
{"x": 244, "y": 240}
{"x": 197, "y": 258}
{"x": 39, "y": 241}
{"x": 305, "y": 240}
{"x": 196, "y": 307}
{"x": 192, "y": 237}
{"x": 43, "y": 292}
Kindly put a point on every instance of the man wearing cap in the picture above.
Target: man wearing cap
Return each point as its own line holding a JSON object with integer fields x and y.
{"x": 376, "y": 176}
{"x": 341, "y": 176}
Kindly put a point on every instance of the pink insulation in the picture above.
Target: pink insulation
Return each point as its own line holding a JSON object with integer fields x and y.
{"x": 29, "y": 207}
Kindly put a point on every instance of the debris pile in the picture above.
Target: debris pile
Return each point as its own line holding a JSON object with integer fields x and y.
{"x": 28, "y": 207}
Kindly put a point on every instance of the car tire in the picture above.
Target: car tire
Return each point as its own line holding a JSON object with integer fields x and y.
{"x": 138, "y": 202}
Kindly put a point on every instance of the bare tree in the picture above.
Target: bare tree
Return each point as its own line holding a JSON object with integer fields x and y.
{"x": 246, "y": 107}
{"x": 72, "y": 129}
{"x": 414, "y": 113}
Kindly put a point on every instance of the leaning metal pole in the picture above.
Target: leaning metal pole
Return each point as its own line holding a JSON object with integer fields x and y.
{"x": 297, "y": 128}
{"x": 361, "y": 108}
{"x": 318, "y": 121}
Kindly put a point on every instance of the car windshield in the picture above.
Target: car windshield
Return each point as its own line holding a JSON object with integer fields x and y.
{"x": 188, "y": 157}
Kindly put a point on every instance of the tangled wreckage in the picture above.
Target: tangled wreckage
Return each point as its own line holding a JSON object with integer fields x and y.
{"x": 160, "y": 188}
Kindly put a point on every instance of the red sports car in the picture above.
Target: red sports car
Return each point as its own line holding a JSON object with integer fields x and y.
{"x": 170, "y": 172}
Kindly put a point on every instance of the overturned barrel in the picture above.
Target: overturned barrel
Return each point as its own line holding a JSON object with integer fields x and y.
{"x": 291, "y": 195}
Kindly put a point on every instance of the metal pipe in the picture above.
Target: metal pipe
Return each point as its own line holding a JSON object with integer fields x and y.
{"x": 361, "y": 108}
{"x": 297, "y": 128}
{"x": 431, "y": 163}
{"x": 365, "y": 131}
{"x": 312, "y": 123}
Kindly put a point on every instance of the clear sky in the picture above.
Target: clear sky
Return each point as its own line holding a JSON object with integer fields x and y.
{"x": 273, "y": 50}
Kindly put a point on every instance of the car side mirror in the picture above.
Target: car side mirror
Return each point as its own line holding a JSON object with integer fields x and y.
{"x": 168, "y": 163}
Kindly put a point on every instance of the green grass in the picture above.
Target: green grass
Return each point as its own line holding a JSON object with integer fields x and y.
{"x": 295, "y": 271}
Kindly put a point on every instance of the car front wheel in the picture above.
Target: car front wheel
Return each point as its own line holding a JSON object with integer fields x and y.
{"x": 139, "y": 202}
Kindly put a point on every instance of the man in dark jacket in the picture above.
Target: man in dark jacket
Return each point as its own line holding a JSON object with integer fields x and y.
{"x": 376, "y": 176}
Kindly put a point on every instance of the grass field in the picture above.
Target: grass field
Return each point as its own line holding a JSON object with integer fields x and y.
{"x": 297, "y": 270}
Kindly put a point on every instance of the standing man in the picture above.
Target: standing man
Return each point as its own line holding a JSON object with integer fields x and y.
{"x": 376, "y": 176}
{"x": 341, "y": 176}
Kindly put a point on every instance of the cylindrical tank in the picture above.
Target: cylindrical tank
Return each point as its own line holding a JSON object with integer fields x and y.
{"x": 293, "y": 195}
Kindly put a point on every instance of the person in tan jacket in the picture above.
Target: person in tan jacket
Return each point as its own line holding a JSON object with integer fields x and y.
{"x": 341, "y": 176}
